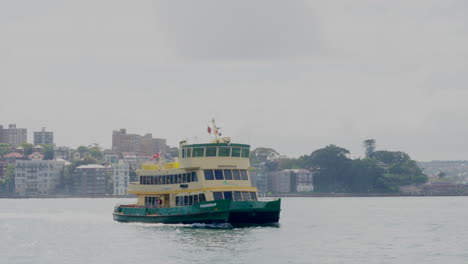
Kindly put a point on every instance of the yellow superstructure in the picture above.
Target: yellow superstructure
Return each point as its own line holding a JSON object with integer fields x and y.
{"x": 205, "y": 172}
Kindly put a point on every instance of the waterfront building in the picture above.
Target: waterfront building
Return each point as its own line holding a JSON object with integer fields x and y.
{"x": 36, "y": 156}
{"x": 134, "y": 160}
{"x": 304, "y": 180}
{"x": 111, "y": 158}
{"x": 291, "y": 181}
{"x": 43, "y": 137}
{"x": 38, "y": 148}
{"x": 3, "y": 169}
{"x": 13, "y": 136}
{"x": 37, "y": 177}
{"x": 62, "y": 153}
{"x": 121, "y": 176}
{"x": 90, "y": 180}
{"x": 12, "y": 157}
{"x": 142, "y": 145}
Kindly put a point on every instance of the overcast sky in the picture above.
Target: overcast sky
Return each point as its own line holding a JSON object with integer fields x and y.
{"x": 291, "y": 75}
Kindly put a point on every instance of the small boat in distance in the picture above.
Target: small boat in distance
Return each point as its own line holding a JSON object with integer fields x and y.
{"x": 210, "y": 184}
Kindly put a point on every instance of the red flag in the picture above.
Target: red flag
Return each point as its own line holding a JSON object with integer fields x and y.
{"x": 209, "y": 130}
{"x": 156, "y": 156}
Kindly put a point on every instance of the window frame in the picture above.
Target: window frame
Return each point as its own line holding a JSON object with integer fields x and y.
{"x": 245, "y": 153}
{"x": 224, "y": 155}
{"x": 215, "y": 154}
{"x": 218, "y": 176}
{"x": 236, "y": 151}
{"x": 217, "y": 195}
{"x": 200, "y": 152}
{"x": 211, "y": 177}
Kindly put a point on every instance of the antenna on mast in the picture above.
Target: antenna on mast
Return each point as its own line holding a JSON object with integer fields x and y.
{"x": 212, "y": 127}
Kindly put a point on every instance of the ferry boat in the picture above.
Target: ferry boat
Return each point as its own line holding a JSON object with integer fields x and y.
{"x": 210, "y": 184}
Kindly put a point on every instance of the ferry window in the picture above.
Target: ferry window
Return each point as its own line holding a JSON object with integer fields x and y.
{"x": 152, "y": 180}
{"x": 228, "y": 174}
{"x": 211, "y": 151}
{"x": 170, "y": 178}
{"x": 209, "y": 175}
{"x": 253, "y": 196}
{"x": 245, "y": 153}
{"x": 198, "y": 152}
{"x": 179, "y": 178}
{"x": 184, "y": 151}
{"x": 217, "y": 195}
{"x": 195, "y": 199}
{"x": 164, "y": 179}
{"x": 194, "y": 176}
{"x": 189, "y": 178}
{"x": 190, "y": 201}
{"x": 219, "y": 174}
{"x": 158, "y": 180}
{"x": 141, "y": 179}
{"x": 202, "y": 198}
{"x": 244, "y": 175}
{"x": 186, "y": 200}
{"x": 189, "y": 152}
{"x": 224, "y": 151}
{"x": 235, "y": 152}
{"x": 245, "y": 196}
{"x": 236, "y": 175}
{"x": 184, "y": 178}
{"x": 228, "y": 195}
{"x": 237, "y": 196}
{"x": 177, "y": 202}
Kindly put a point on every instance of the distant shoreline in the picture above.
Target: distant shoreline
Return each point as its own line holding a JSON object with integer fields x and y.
{"x": 358, "y": 195}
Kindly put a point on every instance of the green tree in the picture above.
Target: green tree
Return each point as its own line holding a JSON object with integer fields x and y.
{"x": 4, "y": 149}
{"x": 369, "y": 146}
{"x": 28, "y": 148}
{"x": 82, "y": 150}
{"x": 261, "y": 154}
{"x": 96, "y": 151}
{"x": 48, "y": 151}
{"x": 330, "y": 165}
{"x": 7, "y": 185}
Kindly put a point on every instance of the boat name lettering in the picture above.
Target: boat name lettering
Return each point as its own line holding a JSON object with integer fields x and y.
{"x": 207, "y": 205}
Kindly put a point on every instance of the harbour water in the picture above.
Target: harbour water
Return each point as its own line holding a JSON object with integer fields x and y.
{"x": 312, "y": 230}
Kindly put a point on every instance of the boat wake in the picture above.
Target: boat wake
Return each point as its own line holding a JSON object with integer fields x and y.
{"x": 212, "y": 226}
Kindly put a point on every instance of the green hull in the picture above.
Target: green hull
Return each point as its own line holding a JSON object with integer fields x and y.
{"x": 221, "y": 211}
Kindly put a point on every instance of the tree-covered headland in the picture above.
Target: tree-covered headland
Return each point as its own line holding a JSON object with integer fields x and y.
{"x": 334, "y": 172}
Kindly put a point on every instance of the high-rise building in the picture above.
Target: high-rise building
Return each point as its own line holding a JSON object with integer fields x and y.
{"x": 13, "y": 136}
{"x": 90, "y": 180}
{"x": 141, "y": 145}
{"x": 37, "y": 177}
{"x": 43, "y": 137}
{"x": 121, "y": 177}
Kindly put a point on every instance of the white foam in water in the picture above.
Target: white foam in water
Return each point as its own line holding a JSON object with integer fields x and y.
{"x": 220, "y": 225}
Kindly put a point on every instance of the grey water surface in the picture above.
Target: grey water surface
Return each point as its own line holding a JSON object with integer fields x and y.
{"x": 312, "y": 230}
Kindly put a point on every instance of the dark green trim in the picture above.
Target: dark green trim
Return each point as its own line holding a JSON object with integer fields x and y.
{"x": 217, "y": 145}
{"x": 221, "y": 211}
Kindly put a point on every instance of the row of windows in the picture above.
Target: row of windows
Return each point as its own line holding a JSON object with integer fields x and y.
{"x": 226, "y": 175}
{"x": 152, "y": 201}
{"x": 190, "y": 199}
{"x": 215, "y": 152}
{"x": 169, "y": 179}
{"x": 235, "y": 196}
